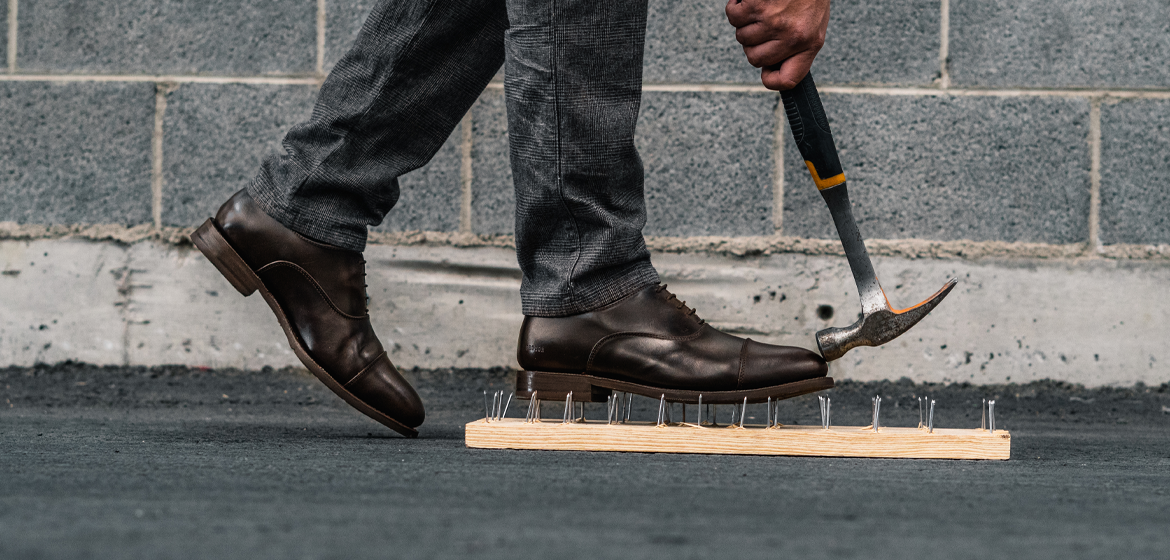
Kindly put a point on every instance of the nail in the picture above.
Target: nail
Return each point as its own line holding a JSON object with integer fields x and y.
{"x": 991, "y": 415}
{"x": 531, "y": 405}
{"x": 568, "y": 408}
{"x": 661, "y": 408}
{"x": 700, "y": 422}
{"x": 743, "y": 412}
{"x": 487, "y": 413}
{"x": 509, "y": 403}
{"x": 877, "y": 403}
{"x": 920, "y": 424}
{"x": 824, "y": 412}
{"x": 930, "y": 418}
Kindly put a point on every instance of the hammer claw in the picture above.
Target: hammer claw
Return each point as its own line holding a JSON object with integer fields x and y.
{"x": 878, "y": 327}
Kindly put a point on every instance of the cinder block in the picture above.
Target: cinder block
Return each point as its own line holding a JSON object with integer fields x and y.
{"x": 689, "y": 41}
{"x": 891, "y": 42}
{"x": 1033, "y": 43}
{"x": 4, "y": 36}
{"x": 948, "y": 168}
{"x": 216, "y": 135}
{"x": 493, "y": 200}
{"x": 343, "y": 20}
{"x": 1135, "y": 172}
{"x": 708, "y": 161}
{"x": 168, "y": 36}
{"x": 75, "y": 152}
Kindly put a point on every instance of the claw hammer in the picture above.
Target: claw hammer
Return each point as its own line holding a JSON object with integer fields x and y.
{"x": 879, "y": 323}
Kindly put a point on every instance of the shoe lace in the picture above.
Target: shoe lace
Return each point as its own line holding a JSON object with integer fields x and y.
{"x": 678, "y": 303}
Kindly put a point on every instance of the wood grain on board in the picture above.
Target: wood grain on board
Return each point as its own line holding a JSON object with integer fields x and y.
{"x": 837, "y": 441}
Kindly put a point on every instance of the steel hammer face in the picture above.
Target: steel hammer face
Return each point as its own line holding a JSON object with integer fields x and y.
{"x": 879, "y": 323}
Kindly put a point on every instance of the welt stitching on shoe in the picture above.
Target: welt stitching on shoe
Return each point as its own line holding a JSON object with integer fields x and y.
{"x": 608, "y": 337}
{"x": 315, "y": 285}
{"x": 365, "y": 370}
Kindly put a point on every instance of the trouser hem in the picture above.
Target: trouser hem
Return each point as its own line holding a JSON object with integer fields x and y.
{"x": 317, "y": 223}
{"x": 586, "y": 298}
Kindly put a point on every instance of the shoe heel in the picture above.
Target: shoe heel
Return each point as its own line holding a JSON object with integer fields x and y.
{"x": 555, "y": 386}
{"x": 227, "y": 261}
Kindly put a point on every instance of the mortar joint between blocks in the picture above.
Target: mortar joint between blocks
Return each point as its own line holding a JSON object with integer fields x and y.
{"x": 944, "y": 45}
{"x": 13, "y": 29}
{"x": 1094, "y": 140}
{"x": 157, "y": 178}
{"x": 321, "y": 30}
{"x": 466, "y": 172}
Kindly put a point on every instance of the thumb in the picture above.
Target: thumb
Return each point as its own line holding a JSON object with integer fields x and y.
{"x": 787, "y": 74}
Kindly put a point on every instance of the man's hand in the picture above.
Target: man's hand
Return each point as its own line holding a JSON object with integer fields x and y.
{"x": 780, "y": 36}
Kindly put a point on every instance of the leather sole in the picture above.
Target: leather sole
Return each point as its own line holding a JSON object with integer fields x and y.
{"x": 589, "y": 388}
{"x": 211, "y": 242}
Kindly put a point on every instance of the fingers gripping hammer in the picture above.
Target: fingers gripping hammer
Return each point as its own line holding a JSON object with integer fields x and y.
{"x": 879, "y": 323}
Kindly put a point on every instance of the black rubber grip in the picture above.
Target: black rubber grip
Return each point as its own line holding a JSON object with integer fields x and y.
{"x": 810, "y": 129}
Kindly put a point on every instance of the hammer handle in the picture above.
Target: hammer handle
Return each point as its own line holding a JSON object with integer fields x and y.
{"x": 810, "y": 129}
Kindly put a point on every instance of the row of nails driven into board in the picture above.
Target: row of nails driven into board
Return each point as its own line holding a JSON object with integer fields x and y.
{"x": 618, "y": 406}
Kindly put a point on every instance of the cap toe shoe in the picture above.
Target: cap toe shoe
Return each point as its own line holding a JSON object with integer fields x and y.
{"x": 318, "y": 294}
{"x": 653, "y": 344}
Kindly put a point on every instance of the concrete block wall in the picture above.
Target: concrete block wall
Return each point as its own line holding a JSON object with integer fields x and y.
{"x": 1024, "y": 134}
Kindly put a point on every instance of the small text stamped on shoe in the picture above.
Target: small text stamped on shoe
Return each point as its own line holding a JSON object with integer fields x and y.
{"x": 534, "y": 349}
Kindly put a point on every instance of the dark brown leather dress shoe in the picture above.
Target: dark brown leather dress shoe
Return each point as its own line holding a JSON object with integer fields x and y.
{"x": 652, "y": 344}
{"x": 318, "y": 294}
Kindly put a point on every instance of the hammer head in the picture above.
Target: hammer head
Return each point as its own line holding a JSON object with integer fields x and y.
{"x": 877, "y": 326}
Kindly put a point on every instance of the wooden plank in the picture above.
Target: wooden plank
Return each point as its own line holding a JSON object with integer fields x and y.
{"x": 813, "y": 441}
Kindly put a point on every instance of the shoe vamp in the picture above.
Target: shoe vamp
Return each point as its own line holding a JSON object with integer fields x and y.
{"x": 705, "y": 363}
{"x": 341, "y": 345}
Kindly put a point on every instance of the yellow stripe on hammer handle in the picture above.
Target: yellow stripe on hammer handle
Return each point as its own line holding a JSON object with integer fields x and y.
{"x": 810, "y": 129}
{"x": 823, "y": 184}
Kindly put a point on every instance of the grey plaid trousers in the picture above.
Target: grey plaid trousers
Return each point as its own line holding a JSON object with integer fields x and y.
{"x": 573, "y": 88}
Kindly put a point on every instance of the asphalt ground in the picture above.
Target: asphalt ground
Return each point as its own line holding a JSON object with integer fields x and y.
{"x": 182, "y": 463}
